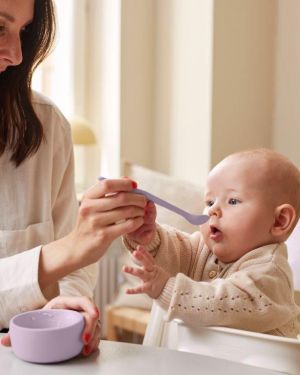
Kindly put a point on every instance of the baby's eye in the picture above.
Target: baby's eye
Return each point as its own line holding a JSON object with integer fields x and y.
{"x": 233, "y": 201}
{"x": 209, "y": 203}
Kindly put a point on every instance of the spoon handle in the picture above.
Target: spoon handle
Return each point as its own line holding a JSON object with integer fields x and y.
{"x": 200, "y": 219}
{"x": 161, "y": 202}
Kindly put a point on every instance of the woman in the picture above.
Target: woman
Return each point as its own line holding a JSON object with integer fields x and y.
{"x": 47, "y": 246}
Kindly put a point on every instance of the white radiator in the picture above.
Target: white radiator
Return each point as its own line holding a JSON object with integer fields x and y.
{"x": 108, "y": 280}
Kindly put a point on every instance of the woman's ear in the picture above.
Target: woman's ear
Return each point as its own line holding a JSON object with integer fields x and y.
{"x": 285, "y": 216}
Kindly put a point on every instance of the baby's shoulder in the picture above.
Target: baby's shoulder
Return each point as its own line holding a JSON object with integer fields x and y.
{"x": 272, "y": 255}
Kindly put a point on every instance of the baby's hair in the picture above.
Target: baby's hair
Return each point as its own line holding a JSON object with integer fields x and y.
{"x": 283, "y": 174}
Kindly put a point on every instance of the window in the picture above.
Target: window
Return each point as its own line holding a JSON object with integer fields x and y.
{"x": 54, "y": 77}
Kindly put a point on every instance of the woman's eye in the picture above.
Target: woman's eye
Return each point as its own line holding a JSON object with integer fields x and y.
{"x": 2, "y": 29}
{"x": 24, "y": 29}
{"x": 233, "y": 201}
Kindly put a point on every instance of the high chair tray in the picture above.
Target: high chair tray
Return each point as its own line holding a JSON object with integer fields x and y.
{"x": 258, "y": 349}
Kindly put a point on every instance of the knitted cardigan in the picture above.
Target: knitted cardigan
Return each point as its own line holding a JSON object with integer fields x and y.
{"x": 254, "y": 293}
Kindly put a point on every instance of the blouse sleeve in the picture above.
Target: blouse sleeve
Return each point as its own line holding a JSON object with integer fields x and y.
{"x": 19, "y": 287}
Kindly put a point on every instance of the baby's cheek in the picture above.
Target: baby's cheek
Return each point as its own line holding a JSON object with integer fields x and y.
{"x": 204, "y": 229}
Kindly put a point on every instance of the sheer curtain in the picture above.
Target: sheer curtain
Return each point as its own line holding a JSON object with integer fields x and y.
{"x": 55, "y": 76}
{"x": 82, "y": 77}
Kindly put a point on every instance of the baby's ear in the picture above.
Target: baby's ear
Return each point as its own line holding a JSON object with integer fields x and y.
{"x": 285, "y": 216}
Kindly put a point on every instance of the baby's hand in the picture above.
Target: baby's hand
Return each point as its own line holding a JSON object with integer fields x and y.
{"x": 154, "y": 277}
{"x": 146, "y": 232}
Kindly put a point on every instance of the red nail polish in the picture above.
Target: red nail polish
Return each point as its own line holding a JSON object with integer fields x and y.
{"x": 87, "y": 349}
{"x": 86, "y": 337}
{"x": 134, "y": 184}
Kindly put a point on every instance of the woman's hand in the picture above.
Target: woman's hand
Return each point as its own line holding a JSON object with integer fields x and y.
{"x": 146, "y": 232}
{"x": 92, "y": 330}
{"x": 153, "y": 277}
{"x": 108, "y": 210}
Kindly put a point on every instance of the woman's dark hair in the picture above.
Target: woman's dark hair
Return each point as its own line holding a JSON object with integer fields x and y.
{"x": 21, "y": 131}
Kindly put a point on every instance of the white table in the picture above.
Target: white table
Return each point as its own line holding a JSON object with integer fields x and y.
{"x": 129, "y": 359}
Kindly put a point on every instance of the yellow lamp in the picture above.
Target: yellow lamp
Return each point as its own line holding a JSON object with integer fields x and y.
{"x": 83, "y": 137}
{"x": 82, "y": 134}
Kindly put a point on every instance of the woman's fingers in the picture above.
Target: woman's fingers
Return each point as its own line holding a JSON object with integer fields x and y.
{"x": 93, "y": 343}
{"x": 5, "y": 340}
{"x": 90, "y": 312}
{"x": 109, "y": 186}
{"x": 89, "y": 332}
{"x": 122, "y": 228}
{"x": 122, "y": 199}
{"x": 74, "y": 303}
{"x": 111, "y": 202}
{"x": 104, "y": 219}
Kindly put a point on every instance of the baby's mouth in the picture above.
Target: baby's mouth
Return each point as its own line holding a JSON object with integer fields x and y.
{"x": 215, "y": 233}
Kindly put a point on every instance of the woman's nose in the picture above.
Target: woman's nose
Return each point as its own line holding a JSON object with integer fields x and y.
{"x": 214, "y": 210}
{"x": 13, "y": 51}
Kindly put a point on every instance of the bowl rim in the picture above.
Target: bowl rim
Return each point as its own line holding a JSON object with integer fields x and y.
{"x": 31, "y": 329}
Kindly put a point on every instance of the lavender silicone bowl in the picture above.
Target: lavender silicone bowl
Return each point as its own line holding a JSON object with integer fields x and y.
{"x": 46, "y": 336}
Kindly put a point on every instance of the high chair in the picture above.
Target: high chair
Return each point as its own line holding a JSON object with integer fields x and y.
{"x": 257, "y": 349}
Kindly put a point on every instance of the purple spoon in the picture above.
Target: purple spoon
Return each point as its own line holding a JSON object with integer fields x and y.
{"x": 191, "y": 218}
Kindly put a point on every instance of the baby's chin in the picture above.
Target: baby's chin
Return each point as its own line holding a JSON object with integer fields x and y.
{"x": 223, "y": 255}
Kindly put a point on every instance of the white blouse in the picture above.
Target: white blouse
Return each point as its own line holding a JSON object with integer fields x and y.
{"x": 37, "y": 205}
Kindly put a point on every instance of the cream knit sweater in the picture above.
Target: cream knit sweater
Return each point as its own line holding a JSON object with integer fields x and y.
{"x": 254, "y": 293}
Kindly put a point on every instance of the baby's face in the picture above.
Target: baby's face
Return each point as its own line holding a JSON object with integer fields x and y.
{"x": 240, "y": 209}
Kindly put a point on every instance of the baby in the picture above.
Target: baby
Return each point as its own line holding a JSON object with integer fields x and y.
{"x": 234, "y": 271}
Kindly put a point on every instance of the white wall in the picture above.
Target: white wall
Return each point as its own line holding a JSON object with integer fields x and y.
{"x": 197, "y": 80}
{"x": 137, "y": 80}
{"x": 286, "y": 132}
{"x": 103, "y": 84}
{"x": 243, "y": 75}
{"x": 183, "y": 89}
{"x": 166, "y": 85}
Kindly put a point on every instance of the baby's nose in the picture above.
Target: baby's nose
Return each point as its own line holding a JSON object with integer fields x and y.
{"x": 214, "y": 210}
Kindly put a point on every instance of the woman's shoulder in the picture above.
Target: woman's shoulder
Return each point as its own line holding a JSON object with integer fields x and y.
{"x": 49, "y": 114}
{"x": 41, "y": 99}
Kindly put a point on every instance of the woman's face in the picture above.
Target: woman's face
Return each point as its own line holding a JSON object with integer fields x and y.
{"x": 15, "y": 15}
